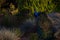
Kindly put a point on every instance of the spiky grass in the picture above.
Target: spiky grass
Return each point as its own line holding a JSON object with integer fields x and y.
{"x": 8, "y": 35}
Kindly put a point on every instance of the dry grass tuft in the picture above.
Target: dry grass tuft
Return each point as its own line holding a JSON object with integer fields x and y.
{"x": 8, "y": 35}
{"x": 57, "y": 35}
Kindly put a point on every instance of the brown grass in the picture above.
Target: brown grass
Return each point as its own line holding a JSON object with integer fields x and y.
{"x": 57, "y": 35}
{"x": 8, "y": 35}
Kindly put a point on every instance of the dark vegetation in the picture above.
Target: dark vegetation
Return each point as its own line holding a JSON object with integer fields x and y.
{"x": 29, "y": 19}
